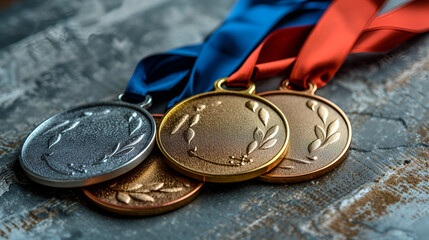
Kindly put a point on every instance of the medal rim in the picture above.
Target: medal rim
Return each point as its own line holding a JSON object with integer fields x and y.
{"x": 149, "y": 210}
{"x": 85, "y": 181}
{"x": 225, "y": 178}
{"x": 320, "y": 171}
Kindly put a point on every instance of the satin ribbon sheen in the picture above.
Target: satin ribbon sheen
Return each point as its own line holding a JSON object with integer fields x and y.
{"x": 317, "y": 53}
{"x": 193, "y": 69}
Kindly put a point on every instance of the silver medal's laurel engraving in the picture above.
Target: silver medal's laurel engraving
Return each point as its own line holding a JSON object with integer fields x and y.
{"x": 324, "y": 135}
{"x": 134, "y": 124}
{"x": 262, "y": 138}
{"x": 138, "y": 192}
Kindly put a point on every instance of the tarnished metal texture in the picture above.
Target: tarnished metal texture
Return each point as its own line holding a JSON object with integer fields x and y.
{"x": 58, "y": 54}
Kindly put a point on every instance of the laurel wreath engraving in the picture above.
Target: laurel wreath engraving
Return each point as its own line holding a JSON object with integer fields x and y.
{"x": 324, "y": 135}
{"x": 138, "y": 192}
{"x": 134, "y": 124}
{"x": 262, "y": 140}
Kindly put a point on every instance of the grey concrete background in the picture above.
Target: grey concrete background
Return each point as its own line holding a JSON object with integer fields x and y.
{"x": 58, "y": 54}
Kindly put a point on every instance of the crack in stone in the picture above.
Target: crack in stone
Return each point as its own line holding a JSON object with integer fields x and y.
{"x": 414, "y": 145}
{"x": 379, "y": 116}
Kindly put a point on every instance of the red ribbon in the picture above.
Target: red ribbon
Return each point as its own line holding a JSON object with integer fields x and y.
{"x": 317, "y": 53}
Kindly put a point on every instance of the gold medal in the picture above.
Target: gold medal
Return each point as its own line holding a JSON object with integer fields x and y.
{"x": 224, "y": 136}
{"x": 320, "y": 131}
{"x": 151, "y": 188}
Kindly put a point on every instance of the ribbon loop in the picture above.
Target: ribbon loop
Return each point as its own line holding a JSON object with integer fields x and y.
{"x": 194, "y": 69}
{"x": 322, "y": 53}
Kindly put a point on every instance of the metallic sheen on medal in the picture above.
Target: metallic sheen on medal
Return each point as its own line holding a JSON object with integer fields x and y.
{"x": 150, "y": 188}
{"x": 320, "y": 135}
{"x": 224, "y": 136}
{"x": 88, "y": 144}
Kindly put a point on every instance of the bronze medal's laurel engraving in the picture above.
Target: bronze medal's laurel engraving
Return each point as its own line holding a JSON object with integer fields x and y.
{"x": 134, "y": 124}
{"x": 138, "y": 192}
{"x": 324, "y": 136}
{"x": 261, "y": 140}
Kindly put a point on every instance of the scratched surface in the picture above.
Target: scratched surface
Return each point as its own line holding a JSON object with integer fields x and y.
{"x": 58, "y": 54}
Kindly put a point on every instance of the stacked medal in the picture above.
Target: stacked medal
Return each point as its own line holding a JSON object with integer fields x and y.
{"x": 221, "y": 136}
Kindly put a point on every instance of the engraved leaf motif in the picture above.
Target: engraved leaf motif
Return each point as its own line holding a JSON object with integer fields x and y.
{"x": 200, "y": 107}
{"x": 123, "y": 197}
{"x": 142, "y": 197}
{"x": 258, "y": 135}
{"x": 312, "y": 105}
{"x": 333, "y": 138}
{"x": 252, "y": 105}
{"x": 57, "y": 126}
{"x": 156, "y": 186}
{"x": 125, "y": 150}
{"x": 133, "y": 141}
{"x": 71, "y": 127}
{"x": 269, "y": 144}
{"x": 189, "y": 135}
{"x": 252, "y": 146}
{"x": 272, "y": 132}
{"x": 116, "y": 148}
{"x": 180, "y": 123}
{"x": 323, "y": 113}
{"x": 133, "y": 186}
{"x": 171, "y": 190}
{"x": 54, "y": 140}
{"x": 333, "y": 127}
{"x": 135, "y": 125}
{"x": 264, "y": 116}
{"x": 195, "y": 119}
{"x": 186, "y": 182}
{"x": 314, "y": 145}
{"x": 320, "y": 133}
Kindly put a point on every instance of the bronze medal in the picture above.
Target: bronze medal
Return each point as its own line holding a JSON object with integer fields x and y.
{"x": 151, "y": 188}
{"x": 320, "y": 131}
{"x": 224, "y": 136}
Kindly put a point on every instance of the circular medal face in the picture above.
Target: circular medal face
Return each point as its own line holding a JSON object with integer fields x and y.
{"x": 223, "y": 136}
{"x": 320, "y": 132}
{"x": 88, "y": 144}
{"x": 150, "y": 188}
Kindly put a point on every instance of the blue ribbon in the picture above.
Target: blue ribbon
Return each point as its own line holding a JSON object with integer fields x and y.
{"x": 193, "y": 69}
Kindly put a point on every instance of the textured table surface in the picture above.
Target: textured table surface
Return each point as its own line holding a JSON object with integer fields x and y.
{"x": 58, "y": 54}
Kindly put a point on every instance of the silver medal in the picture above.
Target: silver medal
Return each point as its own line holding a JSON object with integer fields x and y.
{"x": 88, "y": 144}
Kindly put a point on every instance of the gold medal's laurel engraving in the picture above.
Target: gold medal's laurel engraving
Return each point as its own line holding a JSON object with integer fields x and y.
{"x": 260, "y": 141}
{"x": 195, "y": 120}
{"x": 138, "y": 192}
{"x": 252, "y": 105}
{"x": 134, "y": 124}
{"x": 264, "y": 116}
{"x": 180, "y": 123}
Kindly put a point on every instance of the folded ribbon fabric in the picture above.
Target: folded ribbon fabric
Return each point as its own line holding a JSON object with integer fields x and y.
{"x": 193, "y": 69}
{"x": 316, "y": 54}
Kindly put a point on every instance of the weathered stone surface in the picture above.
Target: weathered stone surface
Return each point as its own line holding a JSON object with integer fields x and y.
{"x": 58, "y": 54}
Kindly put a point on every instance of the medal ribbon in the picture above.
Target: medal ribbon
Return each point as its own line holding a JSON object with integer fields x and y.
{"x": 317, "y": 53}
{"x": 193, "y": 69}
